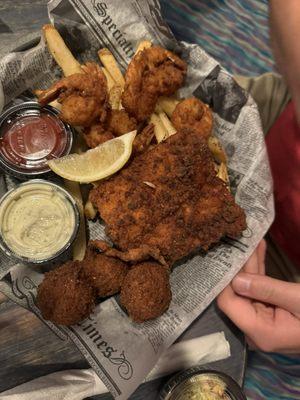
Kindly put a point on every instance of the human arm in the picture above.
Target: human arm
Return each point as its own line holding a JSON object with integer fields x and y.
{"x": 267, "y": 310}
{"x": 285, "y": 38}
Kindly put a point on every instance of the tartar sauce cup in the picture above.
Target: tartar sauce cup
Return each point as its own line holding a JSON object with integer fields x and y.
{"x": 30, "y": 136}
{"x": 39, "y": 221}
{"x": 198, "y": 383}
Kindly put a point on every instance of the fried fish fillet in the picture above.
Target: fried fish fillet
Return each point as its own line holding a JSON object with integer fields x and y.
{"x": 170, "y": 200}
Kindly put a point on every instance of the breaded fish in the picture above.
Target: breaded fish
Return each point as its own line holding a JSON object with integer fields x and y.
{"x": 170, "y": 200}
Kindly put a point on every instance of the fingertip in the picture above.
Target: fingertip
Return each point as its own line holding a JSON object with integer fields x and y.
{"x": 241, "y": 283}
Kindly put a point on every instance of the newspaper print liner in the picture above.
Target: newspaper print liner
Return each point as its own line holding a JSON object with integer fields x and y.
{"x": 121, "y": 352}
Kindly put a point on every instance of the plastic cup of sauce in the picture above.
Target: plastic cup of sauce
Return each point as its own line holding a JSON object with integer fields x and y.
{"x": 30, "y": 136}
{"x": 201, "y": 384}
{"x": 39, "y": 221}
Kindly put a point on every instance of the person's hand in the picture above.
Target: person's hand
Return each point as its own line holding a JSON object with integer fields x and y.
{"x": 267, "y": 310}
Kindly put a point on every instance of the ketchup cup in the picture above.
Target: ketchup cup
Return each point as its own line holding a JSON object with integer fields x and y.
{"x": 30, "y": 136}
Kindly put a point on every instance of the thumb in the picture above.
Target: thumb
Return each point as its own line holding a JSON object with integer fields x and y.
{"x": 268, "y": 290}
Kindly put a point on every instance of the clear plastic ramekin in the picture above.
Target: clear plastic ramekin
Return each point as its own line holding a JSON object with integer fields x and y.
{"x": 11, "y": 211}
{"x": 196, "y": 382}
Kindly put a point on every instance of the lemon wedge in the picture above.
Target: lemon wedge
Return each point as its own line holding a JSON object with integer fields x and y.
{"x": 95, "y": 164}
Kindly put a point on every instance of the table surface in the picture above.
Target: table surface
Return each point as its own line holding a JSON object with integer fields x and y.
{"x": 28, "y": 349}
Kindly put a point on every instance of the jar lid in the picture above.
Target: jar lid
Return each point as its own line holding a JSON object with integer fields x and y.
{"x": 30, "y": 136}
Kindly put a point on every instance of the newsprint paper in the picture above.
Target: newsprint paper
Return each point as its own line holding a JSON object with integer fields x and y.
{"x": 121, "y": 352}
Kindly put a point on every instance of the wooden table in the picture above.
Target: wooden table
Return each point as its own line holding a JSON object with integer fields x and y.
{"x": 28, "y": 349}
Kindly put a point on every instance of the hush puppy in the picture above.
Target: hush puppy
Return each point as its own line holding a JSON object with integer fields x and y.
{"x": 64, "y": 297}
{"x": 145, "y": 292}
{"x": 105, "y": 274}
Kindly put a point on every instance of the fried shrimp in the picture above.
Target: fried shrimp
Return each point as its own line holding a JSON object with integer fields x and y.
{"x": 117, "y": 123}
{"x": 83, "y": 96}
{"x": 153, "y": 72}
{"x": 193, "y": 114}
{"x": 96, "y": 135}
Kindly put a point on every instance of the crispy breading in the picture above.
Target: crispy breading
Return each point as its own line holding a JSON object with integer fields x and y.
{"x": 143, "y": 140}
{"x": 142, "y": 253}
{"x": 116, "y": 123}
{"x": 84, "y": 97}
{"x": 96, "y": 135}
{"x": 193, "y": 114}
{"x": 169, "y": 199}
{"x": 64, "y": 297}
{"x": 105, "y": 274}
{"x": 151, "y": 73}
{"x": 145, "y": 292}
{"x": 119, "y": 122}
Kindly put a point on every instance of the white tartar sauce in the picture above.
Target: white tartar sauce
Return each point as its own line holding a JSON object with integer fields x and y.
{"x": 37, "y": 220}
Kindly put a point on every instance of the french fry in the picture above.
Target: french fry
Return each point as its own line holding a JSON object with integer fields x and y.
{"x": 79, "y": 245}
{"x": 64, "y": 57}
{"x": 89, "y": 210}
{"x": 223, "y": 174}
{"x": 115, "y": 97}
{"x": 60, "y": 51}
{"x": 167, "y": 104}
{"x": 110, "y": 82}
{"x": 110, "y": 63}
{"x": 217, "y": 149}
{"x": 159, "y": 130}
{"x": 144, "y": 44}
{"x": 167, "y": 124}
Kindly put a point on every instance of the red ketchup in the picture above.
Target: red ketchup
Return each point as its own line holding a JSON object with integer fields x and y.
{"x": 29, "y": 137}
